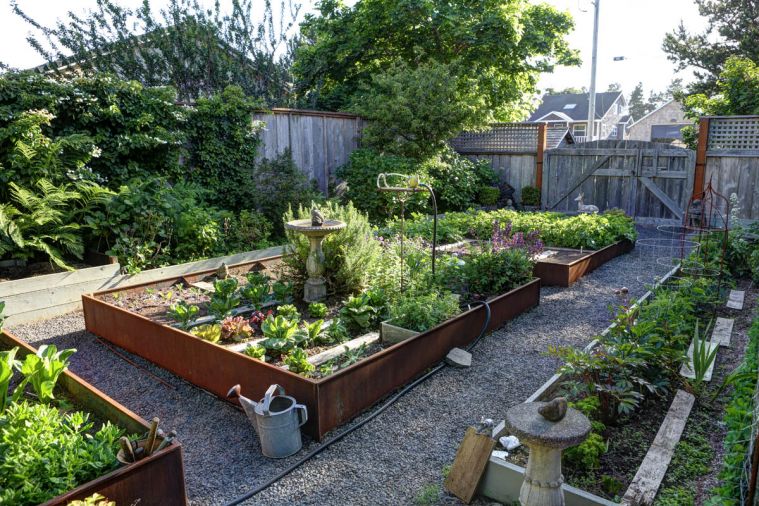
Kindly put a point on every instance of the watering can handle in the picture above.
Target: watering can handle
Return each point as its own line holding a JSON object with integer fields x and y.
{"x": 269, "y": 394}
{"x": 302, "y": 413}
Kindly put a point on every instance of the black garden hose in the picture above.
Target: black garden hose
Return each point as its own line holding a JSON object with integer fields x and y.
{"x": 363, "y": 422}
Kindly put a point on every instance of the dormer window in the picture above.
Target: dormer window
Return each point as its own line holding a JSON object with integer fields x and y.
{"x": 570, "y": 106}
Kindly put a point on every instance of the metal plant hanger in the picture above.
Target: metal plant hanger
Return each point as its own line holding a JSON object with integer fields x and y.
{"x": 411, "y": 185}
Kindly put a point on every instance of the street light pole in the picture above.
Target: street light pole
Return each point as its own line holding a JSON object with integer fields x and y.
{"x": 592, "y": 94}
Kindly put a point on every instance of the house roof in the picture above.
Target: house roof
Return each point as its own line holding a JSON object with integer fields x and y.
{"x": 579, "y": 111}
{"x": 665, "y": 104}
{"x": 556, "y": 137}
{"x": 624, "y": 119}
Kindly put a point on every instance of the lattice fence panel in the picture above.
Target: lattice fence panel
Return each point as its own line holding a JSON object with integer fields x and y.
{"x": 501, "y": 138}
{"x": 734, "y": 133}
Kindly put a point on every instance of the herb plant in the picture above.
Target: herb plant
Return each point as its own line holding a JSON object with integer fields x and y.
{"x": 421, "y": 312}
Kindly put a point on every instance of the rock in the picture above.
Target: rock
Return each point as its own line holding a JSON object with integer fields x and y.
{"x": 500, "y": 454}
{"x": 554, "y": 410}
{"x": 510, "y": 442}
{"x": 458, "y": 358}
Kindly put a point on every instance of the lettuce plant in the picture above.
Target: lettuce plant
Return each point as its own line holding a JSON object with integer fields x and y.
{"x": 42, "y": 370}
{"x": 207, "y": 332}
{"x": 256, "y": 351}
{"x": 236, "y": 328}
{"x": 289, "y": 311}
{"x": 183, "y": 313}
{"x": 297, "y": 362}
{"x": 224, "y": 299}
{"x": 317, "y": 310}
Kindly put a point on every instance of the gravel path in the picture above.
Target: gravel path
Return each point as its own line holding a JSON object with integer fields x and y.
{"x": 392, "y": 458}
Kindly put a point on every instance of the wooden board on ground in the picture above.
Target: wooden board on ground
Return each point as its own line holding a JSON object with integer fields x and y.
{"x": 645, "y": 484}
{"x": 469, "y": 465}
{"x": 735, "y": 300}
{"x": 687, "y": 369}
{"x": 723, "y": 330}
{"x": 341, "y": 348}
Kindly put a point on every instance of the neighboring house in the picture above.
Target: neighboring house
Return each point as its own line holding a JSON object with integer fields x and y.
{"x": 661, "y": 125}
{"x": 571, "y": 111}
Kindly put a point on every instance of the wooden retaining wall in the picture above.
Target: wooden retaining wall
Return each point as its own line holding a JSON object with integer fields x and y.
{"x": 319, "y": 141}
{"x": 51, "y": 295}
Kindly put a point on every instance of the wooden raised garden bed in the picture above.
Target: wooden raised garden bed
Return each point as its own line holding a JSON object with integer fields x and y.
{"x": 565, "y": 266}
{"x": 331, "y": 400}
{"x": 155, "y": 480}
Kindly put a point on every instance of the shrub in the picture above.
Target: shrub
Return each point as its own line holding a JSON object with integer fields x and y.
{"x": 350, "y": 254}
{"x": 492, "y": 271}
{"x": 488, "y": 195}
{"x": 360, "y": 175}
{"x": 223, "y": 143}
{"x": 421, "y": 312}
{"x": 456, "y": 180}
{"x": 280, "y": 185}
{"x": 530, "y": 196}
{"x": 588, "y": 453}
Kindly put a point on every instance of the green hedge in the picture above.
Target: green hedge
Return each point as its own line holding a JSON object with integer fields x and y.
{"x": 592, "y": 231}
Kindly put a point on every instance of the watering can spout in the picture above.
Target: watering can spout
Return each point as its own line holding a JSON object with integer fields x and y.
{"x": 247, "y": 404}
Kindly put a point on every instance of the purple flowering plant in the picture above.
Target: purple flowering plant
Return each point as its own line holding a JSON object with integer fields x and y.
{"x": 503, "y": 239}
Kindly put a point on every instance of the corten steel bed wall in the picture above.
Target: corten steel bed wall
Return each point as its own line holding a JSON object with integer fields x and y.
{"x": 153, "y": 481}
{"x": 564, "y": 274}
{"x": 331, "y": 401}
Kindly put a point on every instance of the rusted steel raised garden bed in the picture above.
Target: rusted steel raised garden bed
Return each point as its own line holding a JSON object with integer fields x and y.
{"x": 155, "y": 480}
{"x": 569, "y": 265}
{"x": 332, "y": 400}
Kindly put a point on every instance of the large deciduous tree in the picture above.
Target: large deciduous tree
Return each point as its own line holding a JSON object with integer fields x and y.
{"x": 733, "y": 30}
{"x": 198, "y": 51}
{"x": 497, "y": 47}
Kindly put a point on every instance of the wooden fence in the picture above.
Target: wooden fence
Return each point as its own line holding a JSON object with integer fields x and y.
{"x": 319, "y": 141}
{"x": 513, "y": 150}
{"x": 728, "y": 157}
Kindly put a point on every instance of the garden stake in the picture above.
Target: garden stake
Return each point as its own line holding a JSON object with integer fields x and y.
{"x": 151, "y": 436}
{"x": 127, "y": 447}
{"x": 166, "y": 441}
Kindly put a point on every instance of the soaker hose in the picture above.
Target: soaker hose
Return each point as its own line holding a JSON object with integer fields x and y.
{"x": 363, "y": 422}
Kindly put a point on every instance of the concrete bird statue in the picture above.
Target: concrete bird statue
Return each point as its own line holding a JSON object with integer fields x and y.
{"x": 554, "y": 410}
{"x": 317, "y": 218}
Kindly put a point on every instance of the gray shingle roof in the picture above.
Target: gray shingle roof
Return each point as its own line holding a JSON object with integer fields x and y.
{"x": 579, "y": 112}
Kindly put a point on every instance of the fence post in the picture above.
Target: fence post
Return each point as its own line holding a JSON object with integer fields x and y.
{"x": 542, "y": 131}
{"x": 703, "y": 143}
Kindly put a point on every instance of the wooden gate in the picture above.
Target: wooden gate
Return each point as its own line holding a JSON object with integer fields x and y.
{"x": 645, "y": 179}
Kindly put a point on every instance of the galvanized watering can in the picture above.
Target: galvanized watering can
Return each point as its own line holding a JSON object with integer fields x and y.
{"x": 277, "y": 420}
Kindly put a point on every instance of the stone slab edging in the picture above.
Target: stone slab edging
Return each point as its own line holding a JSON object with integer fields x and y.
{"x": 502, "y": 479}
{"x": 50, "y": 295}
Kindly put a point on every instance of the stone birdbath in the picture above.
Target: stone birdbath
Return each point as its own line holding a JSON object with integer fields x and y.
{"x": 547, "y": 428}
{"x": 316, "y": 229}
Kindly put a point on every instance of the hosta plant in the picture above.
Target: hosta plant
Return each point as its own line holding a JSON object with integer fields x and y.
{"x": 297, "y": 361}
{"x": 183, "y": 313}
{"x": 210, "y": 332}
{"x": 236, "y": 328}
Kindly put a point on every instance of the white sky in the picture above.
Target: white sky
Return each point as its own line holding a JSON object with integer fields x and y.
{"x": 628, "y": 28}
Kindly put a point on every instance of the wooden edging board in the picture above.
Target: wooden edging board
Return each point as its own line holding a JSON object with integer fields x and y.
{"x": 330, "y": 401}
{"x": 50, "y": 295}
{"x": 156, "y": 480}
{"x": 502, "y": 480}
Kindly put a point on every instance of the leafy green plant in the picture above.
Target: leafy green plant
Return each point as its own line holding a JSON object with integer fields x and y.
{"x": 492, "y": 272}
{"x": 488, "y": 195}
{"x": 588, "y": 453}
{"x": 8, "y": 364}
{"x": 183, "y": 313}
{"x": 297, "y": 361}
{"x": 316, "y": 310}
{"x": 255, "y": 294}
{"x": 282, "y": 291}
{"x": 93, "y": 500}
{"x": 289, "y": 311}
{"x": 312, "y": 331}
{"x": 256, "y": 351}
{"x": 236, "y": 328}
{"x": 210, "y": 332}
{"x": 224, "y": 298}
{"x": 41, "y": 370}
{"x": 421, "y": 312}
{"x": 280, "y": 334}
{"x": 358, "y": 313}
{"x": 47, "y": 451}
{"x": 2, "y": 316}
{"x": 335, "y": 333}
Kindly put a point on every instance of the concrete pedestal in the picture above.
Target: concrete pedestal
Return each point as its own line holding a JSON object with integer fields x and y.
{"x": 315, "y": 288}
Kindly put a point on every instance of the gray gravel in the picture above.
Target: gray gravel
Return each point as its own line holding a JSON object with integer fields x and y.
{"x": 392, "y": 458}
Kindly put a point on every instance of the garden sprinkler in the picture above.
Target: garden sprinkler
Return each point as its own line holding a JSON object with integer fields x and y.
{"x": 412, "y": 184}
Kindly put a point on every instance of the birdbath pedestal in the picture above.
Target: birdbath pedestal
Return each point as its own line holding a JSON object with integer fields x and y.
{"x": 315, "y": 287}
{"x": 546, "y": 439}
